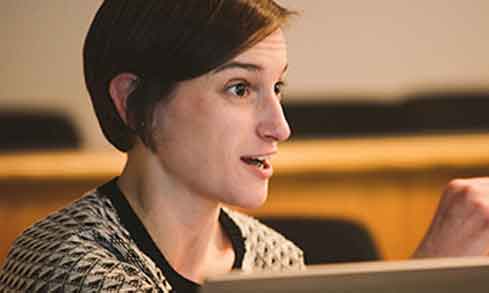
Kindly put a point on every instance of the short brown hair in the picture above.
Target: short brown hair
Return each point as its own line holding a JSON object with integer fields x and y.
{"x": 164, "y": 42}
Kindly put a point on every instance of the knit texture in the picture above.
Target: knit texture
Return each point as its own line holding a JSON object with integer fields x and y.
{"x": 85, "y": 248}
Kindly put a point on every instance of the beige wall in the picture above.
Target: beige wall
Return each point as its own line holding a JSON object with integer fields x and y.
{"x": 381, "y": 47}
{"x": 41, "y": 63}
{"x": 389, "y": 46}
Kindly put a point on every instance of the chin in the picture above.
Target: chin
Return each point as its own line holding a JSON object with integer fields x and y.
{"x": 250, "y": 199}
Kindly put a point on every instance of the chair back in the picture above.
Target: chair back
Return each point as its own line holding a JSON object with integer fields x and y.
{"x": 327, "y": 240}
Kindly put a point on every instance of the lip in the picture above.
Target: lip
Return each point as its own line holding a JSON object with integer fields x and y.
{"x": 264, "y": 173}
{"x": 263, "y": 154}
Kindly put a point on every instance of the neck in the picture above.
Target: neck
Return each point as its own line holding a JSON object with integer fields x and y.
{"x": 184, "y": 225}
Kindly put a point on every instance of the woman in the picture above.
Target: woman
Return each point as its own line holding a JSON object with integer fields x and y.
{"x": 191, "y": 91}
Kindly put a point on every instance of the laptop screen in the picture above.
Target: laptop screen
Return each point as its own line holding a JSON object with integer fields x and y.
{"x": 420, "y": 276}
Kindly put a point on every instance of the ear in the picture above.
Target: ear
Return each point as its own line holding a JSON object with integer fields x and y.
{"x": 120, "y": 88}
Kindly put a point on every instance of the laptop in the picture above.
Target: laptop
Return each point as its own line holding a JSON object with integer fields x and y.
{"x": 447, "y": 275}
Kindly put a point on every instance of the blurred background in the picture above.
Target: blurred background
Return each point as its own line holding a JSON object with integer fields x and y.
{"x": 387, "y": 101}
{"x": 377, "y": 51}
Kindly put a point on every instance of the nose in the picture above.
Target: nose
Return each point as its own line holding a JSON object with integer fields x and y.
{"x": 273, "y": 125}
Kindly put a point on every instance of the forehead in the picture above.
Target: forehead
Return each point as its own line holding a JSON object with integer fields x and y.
{"x": 270, "y": 51}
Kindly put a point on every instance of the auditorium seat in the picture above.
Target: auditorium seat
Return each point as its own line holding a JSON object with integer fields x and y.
{"x": 36, "y": 130}
{"x": 327, "y": 240}
{"x": 417, "y": 113}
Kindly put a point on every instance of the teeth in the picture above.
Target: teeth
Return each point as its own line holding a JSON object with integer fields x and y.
{"x": 260, "y": 161}
{"x": 257, "y": 161}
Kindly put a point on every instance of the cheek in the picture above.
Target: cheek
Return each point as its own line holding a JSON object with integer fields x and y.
{"x": 233, "y": 130}
{"x": 199, "y": 133}
{"x": 203, "y": 129}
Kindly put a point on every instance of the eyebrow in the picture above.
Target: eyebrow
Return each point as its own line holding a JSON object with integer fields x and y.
{"x": 245, "y": 66}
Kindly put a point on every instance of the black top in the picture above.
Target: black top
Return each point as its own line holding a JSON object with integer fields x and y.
{"x": 143, "y": 240}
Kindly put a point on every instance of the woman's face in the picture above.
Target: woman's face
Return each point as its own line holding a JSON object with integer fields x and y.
{"x": 216, "y": 136}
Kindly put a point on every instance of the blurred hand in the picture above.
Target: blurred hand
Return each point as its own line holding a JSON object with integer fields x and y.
{"x": 461, "y": 223}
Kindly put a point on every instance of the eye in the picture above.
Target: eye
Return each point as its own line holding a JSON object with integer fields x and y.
{"x": 240, "y": 89}
{"x": 279, "y": 87}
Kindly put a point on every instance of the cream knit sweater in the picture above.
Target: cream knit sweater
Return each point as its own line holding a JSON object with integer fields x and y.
{"x": 84, "y": 248}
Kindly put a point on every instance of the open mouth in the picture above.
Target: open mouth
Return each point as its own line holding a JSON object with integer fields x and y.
{"x": 259, "y": 162}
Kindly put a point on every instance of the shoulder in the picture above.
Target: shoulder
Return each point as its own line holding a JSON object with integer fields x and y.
{"x": 79, "y": 248}
{"x": 265, "y": 248}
